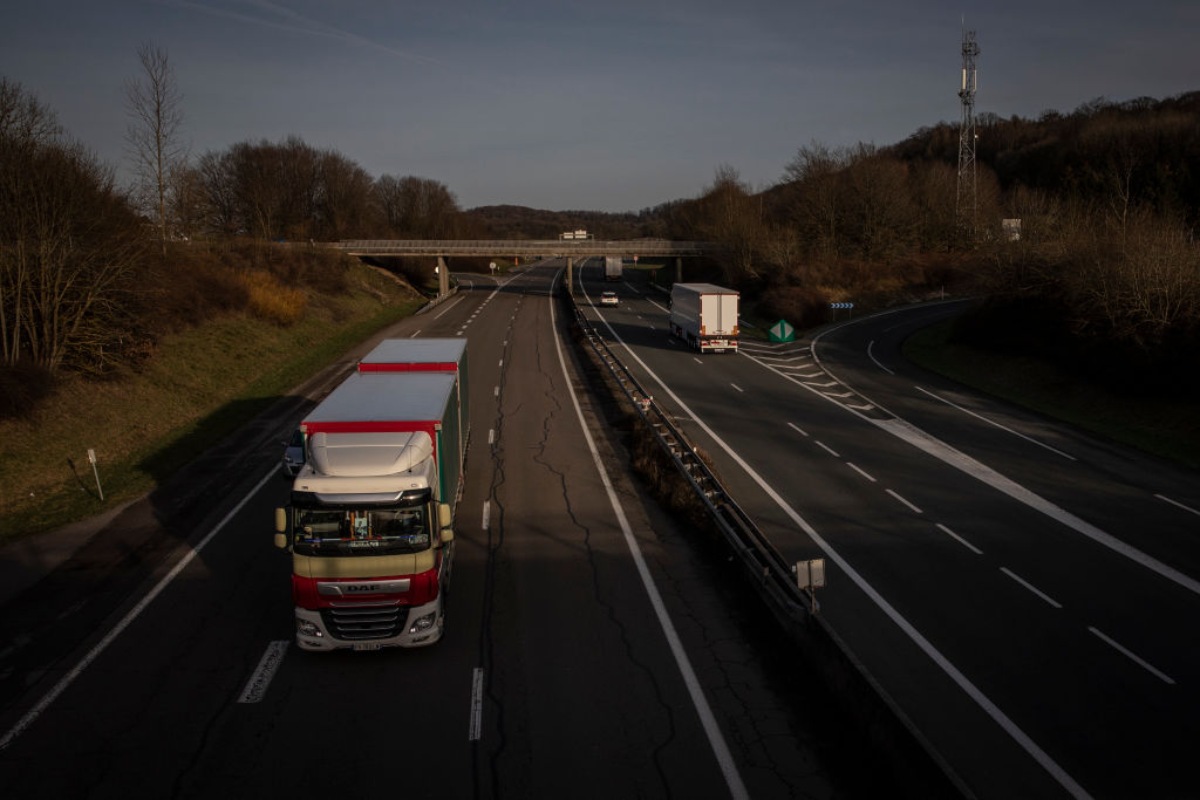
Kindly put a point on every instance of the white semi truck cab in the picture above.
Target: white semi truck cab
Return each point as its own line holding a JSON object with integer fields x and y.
{"x": 370, "y": 522}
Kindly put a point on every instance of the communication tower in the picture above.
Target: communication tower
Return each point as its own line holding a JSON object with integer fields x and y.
{"x": 965, "y": 205}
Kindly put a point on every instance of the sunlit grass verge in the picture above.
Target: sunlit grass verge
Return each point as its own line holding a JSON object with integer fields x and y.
{"x": 200, "y": 386}
{"x": 1167, "y": 428}
{"x": 271, "y": 300}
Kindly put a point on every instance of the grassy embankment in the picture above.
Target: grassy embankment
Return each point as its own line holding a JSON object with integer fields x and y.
{"x": 1163, "y": 427}
{"x": 200, "y": 385}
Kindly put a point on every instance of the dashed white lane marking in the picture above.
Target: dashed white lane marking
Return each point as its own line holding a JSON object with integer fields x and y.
{"x": 861, "y": 471}
{"x": 897, "y": 495}
{"x": 268, "y": 665}
{"x": 1162, "y": 676}
{"x": 475, "y": 729}
{"x": 959, "y": 539}
{"x": 1031, "y": 587}
{"x": 1176, "y": 503}
{"x": 828, "y": 449}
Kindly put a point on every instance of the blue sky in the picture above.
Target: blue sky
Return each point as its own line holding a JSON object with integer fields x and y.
{"x": 607, "y": 105}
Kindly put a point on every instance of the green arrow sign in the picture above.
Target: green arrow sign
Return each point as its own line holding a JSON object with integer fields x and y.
{"x": 782, "y": 332}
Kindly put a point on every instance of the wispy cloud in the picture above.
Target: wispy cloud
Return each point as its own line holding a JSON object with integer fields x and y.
{"x": 267, "y": 14}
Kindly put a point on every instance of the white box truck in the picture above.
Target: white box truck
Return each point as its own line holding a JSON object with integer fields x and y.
{"x": 705, "y": 316}
{"x": 612, "y": 268}
{"x": 370, "y": 525}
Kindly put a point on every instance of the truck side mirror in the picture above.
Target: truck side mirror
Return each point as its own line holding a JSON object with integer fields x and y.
{"x": 281, "y": 529}
{"x": 445, "y": 521}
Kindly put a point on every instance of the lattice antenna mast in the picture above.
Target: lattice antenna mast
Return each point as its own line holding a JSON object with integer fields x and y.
{"x": 966, "y": 203}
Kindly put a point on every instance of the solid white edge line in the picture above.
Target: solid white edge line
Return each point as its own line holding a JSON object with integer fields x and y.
{"x": 449, "y": 306}
{"x": 1031, "y": 587}
{"x": 268, "y": 665}
{"x": 959, "y": 460}
{"x": 126, "y": 621}
{"x": 871, "y": 355}
{"x": 1023, "y": 739}
{"x": 992, "y": 422}
{"x": 902, "y": 429}
{"x": 716, "y": 740}
{"x": 1132, "y": 657}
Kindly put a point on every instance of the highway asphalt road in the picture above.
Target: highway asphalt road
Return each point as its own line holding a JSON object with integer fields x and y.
{"x": 1025, "y": 594}
{"x": 592, "y": 649}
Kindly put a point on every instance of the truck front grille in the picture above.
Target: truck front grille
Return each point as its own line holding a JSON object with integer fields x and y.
{"x": 363, "y": 622}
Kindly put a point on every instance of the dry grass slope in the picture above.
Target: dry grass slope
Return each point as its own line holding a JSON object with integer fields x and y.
{"x": 202, "y": 381}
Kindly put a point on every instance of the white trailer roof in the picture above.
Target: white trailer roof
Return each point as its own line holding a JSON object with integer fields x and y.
{"x": 386, "y": 396}
{"x": 416, "y": 351}
{"x": 705, "y": 288}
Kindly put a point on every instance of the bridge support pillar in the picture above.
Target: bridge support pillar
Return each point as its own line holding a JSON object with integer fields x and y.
{"x": 679, "y": 269}
{"x": 570, "y": 276}
{"x": 443, "y": 278}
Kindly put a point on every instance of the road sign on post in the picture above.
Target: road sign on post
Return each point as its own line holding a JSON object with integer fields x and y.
{"x": 836, "y": 306}
{"x": 782, "y": 331}
{"x": 96, "y": 472}
{"x": 810, "y": 576}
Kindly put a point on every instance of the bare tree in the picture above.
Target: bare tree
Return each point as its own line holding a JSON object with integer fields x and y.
{"x": 68, "y": 245}
{"x": 417, "y": 207}
{"x": 154, "y": 105}
{"x": 26, "y": 127}
{"x": 820, "y": 200}
{"x": 345, "y": 197}
{"x": 24, "y": 121}
{"x": 729, "y": 215}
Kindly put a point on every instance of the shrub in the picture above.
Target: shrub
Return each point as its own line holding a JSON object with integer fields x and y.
{"x": 271, "y": 301}
{"x": 802, "y": 306}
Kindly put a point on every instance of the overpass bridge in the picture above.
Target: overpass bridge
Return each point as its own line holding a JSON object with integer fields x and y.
{"x": 527, "y": 248}
{"x": 570, "y": 249}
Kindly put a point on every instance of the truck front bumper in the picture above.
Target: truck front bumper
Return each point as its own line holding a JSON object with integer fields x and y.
{"x": 419, "y": 627}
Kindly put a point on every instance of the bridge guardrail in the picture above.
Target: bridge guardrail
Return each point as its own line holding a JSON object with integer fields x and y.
{"x": 557, "y": 248}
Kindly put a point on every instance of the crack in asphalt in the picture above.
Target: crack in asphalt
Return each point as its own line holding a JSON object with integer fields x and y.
{"x": 495, "y": 540}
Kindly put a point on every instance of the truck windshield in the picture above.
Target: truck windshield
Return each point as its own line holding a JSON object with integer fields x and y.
{"x": 369, "y": 531}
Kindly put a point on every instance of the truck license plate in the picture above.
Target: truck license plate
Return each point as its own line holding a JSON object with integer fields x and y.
{"x": 358, "y": 646}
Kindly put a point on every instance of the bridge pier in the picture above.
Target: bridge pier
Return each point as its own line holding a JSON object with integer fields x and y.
{"x": 679, "y": 269}
{"x": 570, "y": 276}
{"x": 443, "y": 278}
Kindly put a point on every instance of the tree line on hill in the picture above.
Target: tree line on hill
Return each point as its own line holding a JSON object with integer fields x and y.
{"x": 1102, "y": 274}
{"x": 1107, "y": 199}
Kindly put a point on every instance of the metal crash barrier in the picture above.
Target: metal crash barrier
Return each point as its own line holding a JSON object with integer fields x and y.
{"x": 917, "y": 768}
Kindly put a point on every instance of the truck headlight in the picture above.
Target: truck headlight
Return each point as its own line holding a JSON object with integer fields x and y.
{"x": 306, "y": 628}
{"x": 423, "y": 623}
